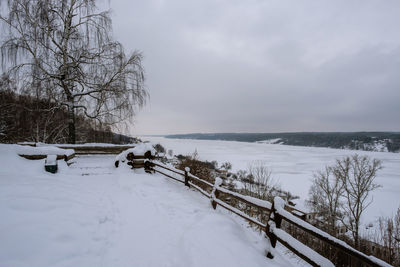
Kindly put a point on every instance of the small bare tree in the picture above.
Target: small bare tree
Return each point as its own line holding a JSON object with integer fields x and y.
{"x": 226, "y": 165}
{"x": 388, "y": 237}
{"x": 259, "y": 181}
{"x": 325, "y": 197}
{"x": 396, "y": 237}
{"x": 63, "y": 50}
{"x": 358, "y": 174}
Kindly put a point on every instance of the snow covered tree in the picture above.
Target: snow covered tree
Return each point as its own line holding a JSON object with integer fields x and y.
{"x": 63, "y": 50}
{"x": 358, "y": 174}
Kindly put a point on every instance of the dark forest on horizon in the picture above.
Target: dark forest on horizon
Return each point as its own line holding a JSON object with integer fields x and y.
{"x": 369, "y": 141}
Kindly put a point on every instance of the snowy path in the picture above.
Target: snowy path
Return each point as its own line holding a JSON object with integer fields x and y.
{"x": 92, "y": 214}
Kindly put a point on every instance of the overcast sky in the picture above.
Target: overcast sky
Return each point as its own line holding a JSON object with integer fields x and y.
{"x": 265, "y": 66}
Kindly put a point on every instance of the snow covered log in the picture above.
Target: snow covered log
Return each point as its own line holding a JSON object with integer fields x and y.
{"x": 96, "y": 148}
{"x": 85, "y": 149}
{"x": 36, "y": 153}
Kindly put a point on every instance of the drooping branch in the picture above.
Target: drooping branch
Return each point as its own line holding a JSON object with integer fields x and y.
{"x": 64, "y": 49}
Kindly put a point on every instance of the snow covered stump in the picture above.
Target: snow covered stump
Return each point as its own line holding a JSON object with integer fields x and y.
{"x": 50, "y": 164}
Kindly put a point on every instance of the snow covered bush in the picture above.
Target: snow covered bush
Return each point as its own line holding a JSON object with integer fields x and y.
{"x": 202, "y": 169}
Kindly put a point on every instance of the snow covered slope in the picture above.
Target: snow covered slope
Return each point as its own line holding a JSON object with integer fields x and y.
{"x": 92, "y": 214}
{"x": 293, "y": 166}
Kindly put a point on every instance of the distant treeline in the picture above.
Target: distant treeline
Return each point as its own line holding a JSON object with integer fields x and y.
{"x": 370, "y": 141}
{"x": 27, "y": 118}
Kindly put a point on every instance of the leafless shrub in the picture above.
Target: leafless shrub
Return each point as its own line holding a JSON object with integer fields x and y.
{"x": 258, "y": 181}
{"x": 388, "y": 241}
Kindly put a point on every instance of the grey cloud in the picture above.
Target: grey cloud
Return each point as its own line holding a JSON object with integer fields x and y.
{"x": 261, "y": 66}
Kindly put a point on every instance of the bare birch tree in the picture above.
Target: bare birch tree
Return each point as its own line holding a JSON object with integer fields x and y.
{"x": 63, "y": 50}
{"x": 358, "y": 174}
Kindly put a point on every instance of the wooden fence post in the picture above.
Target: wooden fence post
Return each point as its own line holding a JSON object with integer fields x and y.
{"x": 275, "y": 218}
{"x": 187, "y": 179}
{"x": 215, "y": 192}
{"x": 148, "y": 166}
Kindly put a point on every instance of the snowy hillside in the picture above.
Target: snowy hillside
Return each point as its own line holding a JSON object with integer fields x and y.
{"x": 293, "y": 166}
{"x": 92, "y": 214}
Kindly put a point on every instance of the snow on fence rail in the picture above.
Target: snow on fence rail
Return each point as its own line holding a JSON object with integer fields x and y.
{"x": 276, "y": 212}
{"x": 355, "y": 257}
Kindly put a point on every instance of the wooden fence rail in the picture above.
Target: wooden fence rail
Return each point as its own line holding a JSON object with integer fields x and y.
{"x": 363, "y": 259}
{"x": 277, "y": 212}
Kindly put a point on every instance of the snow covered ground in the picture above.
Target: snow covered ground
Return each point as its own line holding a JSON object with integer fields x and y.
{"x": 293, "y": 166}
{"x": 91, "y": 214}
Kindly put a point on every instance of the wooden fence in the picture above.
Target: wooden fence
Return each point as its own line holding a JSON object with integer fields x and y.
{"x": 280, "y": 222}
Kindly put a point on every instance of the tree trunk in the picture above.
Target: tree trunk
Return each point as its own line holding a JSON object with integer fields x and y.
{"x": 71, "y": 122}
{"x": 356, "y": 238}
